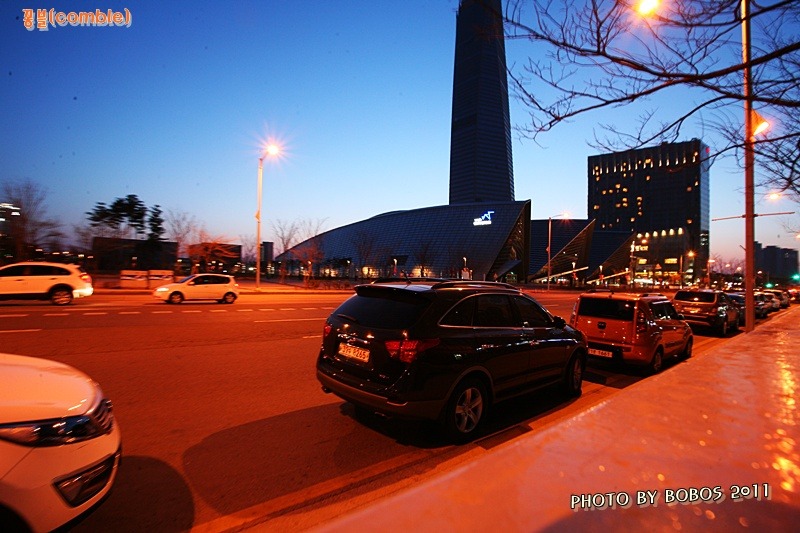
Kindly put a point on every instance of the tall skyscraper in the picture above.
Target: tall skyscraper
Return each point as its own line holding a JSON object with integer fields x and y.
{"x": 481, "y": 167}
{"x": 661, "y": 194}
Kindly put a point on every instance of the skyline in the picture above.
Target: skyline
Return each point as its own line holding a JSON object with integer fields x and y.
{"x": 176, "y": 107}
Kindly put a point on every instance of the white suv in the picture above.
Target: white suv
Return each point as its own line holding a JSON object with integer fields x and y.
{"x": 57, "y": 282}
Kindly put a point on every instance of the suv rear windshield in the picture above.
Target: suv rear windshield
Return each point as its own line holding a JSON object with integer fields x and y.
{"x": 381, "y": 308}
{"x": 606, "y": 308}
{"x": 690, "y": 296}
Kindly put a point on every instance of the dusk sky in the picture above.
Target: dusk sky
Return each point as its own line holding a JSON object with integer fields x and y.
{"x": 175, "y": 109}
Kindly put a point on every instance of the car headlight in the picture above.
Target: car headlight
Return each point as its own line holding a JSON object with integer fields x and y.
{"x": 162, "y": 289}
{"x": 56, "y": 432}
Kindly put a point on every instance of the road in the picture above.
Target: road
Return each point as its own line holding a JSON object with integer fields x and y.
{"x": 224, "y": 424}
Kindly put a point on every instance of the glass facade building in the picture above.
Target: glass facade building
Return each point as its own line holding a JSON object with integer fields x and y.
{"x": 481, "y": 166}
{"x": 489, "y": 239}
{"x": 661, "y": 195}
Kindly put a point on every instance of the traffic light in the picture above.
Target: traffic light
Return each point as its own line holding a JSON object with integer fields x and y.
{"x": 796, "y": 277}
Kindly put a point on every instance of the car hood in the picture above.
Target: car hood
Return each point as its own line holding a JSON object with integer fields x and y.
{"x": 39, "y": 389}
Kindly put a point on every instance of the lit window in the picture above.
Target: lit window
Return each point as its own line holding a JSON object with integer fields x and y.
{"x": 689, "y": 188}
{"x": 688, "y": 220}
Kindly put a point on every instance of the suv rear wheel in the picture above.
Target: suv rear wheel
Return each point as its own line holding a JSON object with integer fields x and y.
{"x": 61, "y": 296}
{"x": 466, "y": 410}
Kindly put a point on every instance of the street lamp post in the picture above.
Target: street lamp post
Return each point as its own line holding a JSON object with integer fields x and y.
{"x": 271, "y": 150}
{"x": 749, "y": 185}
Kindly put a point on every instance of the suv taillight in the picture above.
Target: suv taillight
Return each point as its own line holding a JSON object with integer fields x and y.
{"x": 86, "y": 278}
{"x": 408, "y": 349}
{"x": 326, "y": 330}
{"x": 641, "y": 322}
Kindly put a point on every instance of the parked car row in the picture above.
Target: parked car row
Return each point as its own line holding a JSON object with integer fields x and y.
{"x": 766, "y": 301}
{"x": 451, "y": 351}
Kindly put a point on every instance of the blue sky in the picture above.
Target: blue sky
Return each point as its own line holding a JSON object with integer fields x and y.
{"x": 175, "y": 108}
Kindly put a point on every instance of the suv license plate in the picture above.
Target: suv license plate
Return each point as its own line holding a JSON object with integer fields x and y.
{"x": 600, "y": 353}
{"x": 354, "y": 352}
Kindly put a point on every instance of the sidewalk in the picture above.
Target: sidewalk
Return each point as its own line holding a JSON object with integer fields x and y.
{"x": 693, "y": 440}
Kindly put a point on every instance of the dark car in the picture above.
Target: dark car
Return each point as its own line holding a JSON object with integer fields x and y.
{"x": 707, "y": 308}
{"x": 739, "y": 300}
{"x": 445, "y": 351}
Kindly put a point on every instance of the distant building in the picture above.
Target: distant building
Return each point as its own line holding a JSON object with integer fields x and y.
{"x": 490, "y": 241}
{"x": 661, "y": 194}
{"x": 7, "y": 245}
{"x": 112, "y": 254}
{"x": 774, "y": 264}
{"x": 481, "y": 166}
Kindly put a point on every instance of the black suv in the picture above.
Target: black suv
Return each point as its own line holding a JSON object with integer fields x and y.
{"x": 445, "y": 350}
{"x": 709, "y": 308}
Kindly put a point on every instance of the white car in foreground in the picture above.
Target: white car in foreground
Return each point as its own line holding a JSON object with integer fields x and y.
{"x": 60, "y": 445}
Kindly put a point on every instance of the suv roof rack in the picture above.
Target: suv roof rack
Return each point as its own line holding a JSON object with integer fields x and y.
{"x": 446, "y": 284}
{"x": 407, "y": 279}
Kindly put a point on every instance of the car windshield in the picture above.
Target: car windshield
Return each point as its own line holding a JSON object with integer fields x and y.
{"x": 188, "y": 278}
{"x": 387, "y": 309}
{"x": 701, "y": 297}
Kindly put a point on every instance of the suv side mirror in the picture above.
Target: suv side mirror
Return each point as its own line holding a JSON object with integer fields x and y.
{"x": 559, "y": 322}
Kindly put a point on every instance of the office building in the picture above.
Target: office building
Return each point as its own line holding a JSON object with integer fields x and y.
{"x": 661, "y": 195}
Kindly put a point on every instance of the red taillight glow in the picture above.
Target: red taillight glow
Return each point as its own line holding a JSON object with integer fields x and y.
{"x": 326, "y": 330}
{"x": 407, "y": 350}
{"x": 641, "y": 323}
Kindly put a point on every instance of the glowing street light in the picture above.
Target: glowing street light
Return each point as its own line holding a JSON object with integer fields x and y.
{"x": 271, "y": 150}
{"x": 647, "y": 7}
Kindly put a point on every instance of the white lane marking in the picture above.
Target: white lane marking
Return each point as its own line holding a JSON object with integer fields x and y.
{"x": 94, "y": 314}
{"x": 18, "y": 330}
{"x": 130, "y": 312}
{"x": 12, "y": 316}
{"x": 56, "y": 314}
